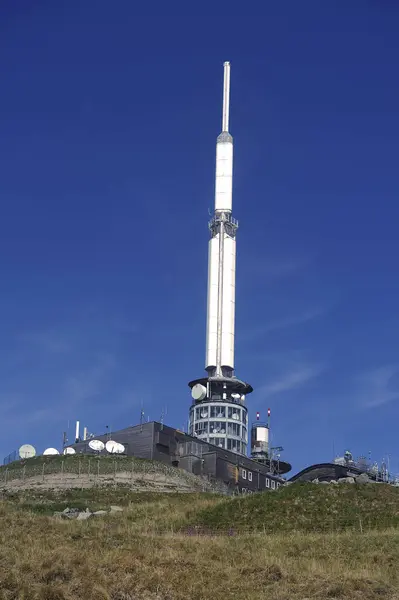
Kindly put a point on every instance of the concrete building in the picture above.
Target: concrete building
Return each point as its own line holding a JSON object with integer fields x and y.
{"x": 155, "y": 441}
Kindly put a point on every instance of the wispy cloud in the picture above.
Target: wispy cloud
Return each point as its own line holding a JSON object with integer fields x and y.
{"x": 376, "y": 387}
{"x": 271, "y": 268}
{"x": 45, "y": 341}
{"x": 282, "y": 323}
{"x": 293, "y": 378}
{"x": 86, "y": 384}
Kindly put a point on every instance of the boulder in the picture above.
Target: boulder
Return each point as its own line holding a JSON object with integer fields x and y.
{"x": 315, "y": 481}
{"x": 363, "y": 478}
{"x": 324, "y": 482}
{"x": 115, "y": 509}
{"x": 83, "y": 516}
{"x": 346, "y": 480}
{"x": 99, "y": 513}
{"x": 68, "y": 513}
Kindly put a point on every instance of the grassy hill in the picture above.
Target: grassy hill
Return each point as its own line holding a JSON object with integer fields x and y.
{"x": 307, "y": 507}
{"x": 148, "y": 552}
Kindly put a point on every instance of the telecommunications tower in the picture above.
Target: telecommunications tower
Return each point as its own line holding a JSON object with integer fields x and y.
{"x": 218, "y": 413}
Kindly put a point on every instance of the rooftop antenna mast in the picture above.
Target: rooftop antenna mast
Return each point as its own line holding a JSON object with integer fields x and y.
{"x": 141, "y": 416}
{"x": 226, "y": 97}
{"x": 163, "y": 415}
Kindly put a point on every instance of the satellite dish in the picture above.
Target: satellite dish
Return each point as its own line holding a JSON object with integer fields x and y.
{"x": 236, "y": 396}
{"x": 69, "y": 451}
{"x": 26, "y": 451}
{"x": 114, "y": 447}
{"x": 96, "y": 445}
{"x": 50, "y": 452}
{"x": 198, "y": 391}
{"x": 204, "y": 414}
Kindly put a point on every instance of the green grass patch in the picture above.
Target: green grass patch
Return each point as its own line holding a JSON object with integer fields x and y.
{"x": 306, "y": 507}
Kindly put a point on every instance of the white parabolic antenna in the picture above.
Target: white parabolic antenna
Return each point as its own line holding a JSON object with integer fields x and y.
{"x": 69, "y": 451}
{"x": 96, "y": 445}
{"x": 26, "y": 451}
{"x": 114, "y": 447}
{"x": 198, "y": 392}
{"x": 50, "y": 452}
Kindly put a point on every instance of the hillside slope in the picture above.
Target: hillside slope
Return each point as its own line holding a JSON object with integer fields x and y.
{"x": 125, "y": 557}
{"x": 307, "y": 507}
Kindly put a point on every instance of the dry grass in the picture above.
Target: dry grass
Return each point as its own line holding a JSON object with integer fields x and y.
{"x": 120, "y": 557}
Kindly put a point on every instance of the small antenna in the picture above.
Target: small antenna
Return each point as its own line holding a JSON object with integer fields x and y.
{"x": 226, "y": 97}
{"x": 141, "y": 416}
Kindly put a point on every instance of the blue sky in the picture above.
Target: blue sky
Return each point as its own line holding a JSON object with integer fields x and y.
{"x": 107, "y": 148}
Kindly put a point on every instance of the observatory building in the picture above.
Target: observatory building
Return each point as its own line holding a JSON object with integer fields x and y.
{"x": 218, "y": 414}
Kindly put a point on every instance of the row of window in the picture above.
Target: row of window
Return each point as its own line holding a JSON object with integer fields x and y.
{"x": 227, "y": 444}
{"x": 221, "y": 412}
{"x": 203, "y": 427}
{"x": 268, "y": 482}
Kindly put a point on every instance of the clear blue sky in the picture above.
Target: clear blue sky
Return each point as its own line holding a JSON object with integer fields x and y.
{"x": 107, "y": 148}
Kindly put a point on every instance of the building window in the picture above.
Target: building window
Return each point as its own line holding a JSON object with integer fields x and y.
{"x": 200, "y": 428}
{"x": 233, "y": 445}
{"x": 243, "y": 473}
{"x": 234, "y": 413}
{"x": 249, "y": 475}
{"x": 267, "y": 482}
{"x": 278, "y": 484}
{"x": 201, "y": 412}
{"x": 217, "y": 427}
{"x": 273, "y": 484}
{"x": 218, "y": 412}
{"x": 220, "y": 442}
{"x": 234, "y": 429}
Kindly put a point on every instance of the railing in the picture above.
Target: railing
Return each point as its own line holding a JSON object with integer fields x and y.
{"x": 10, "y": 458}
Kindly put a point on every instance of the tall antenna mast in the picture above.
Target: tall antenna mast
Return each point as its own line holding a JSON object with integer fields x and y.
{"x": 226, "y": 97}
{"x": 220, "y": 383}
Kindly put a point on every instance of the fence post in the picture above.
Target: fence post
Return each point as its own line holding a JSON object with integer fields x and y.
{"x": 79, "y": 468}
{"x": 62, "y": 470}
{"x": 361, "y": 525}
{"x": 43, "y": 472}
